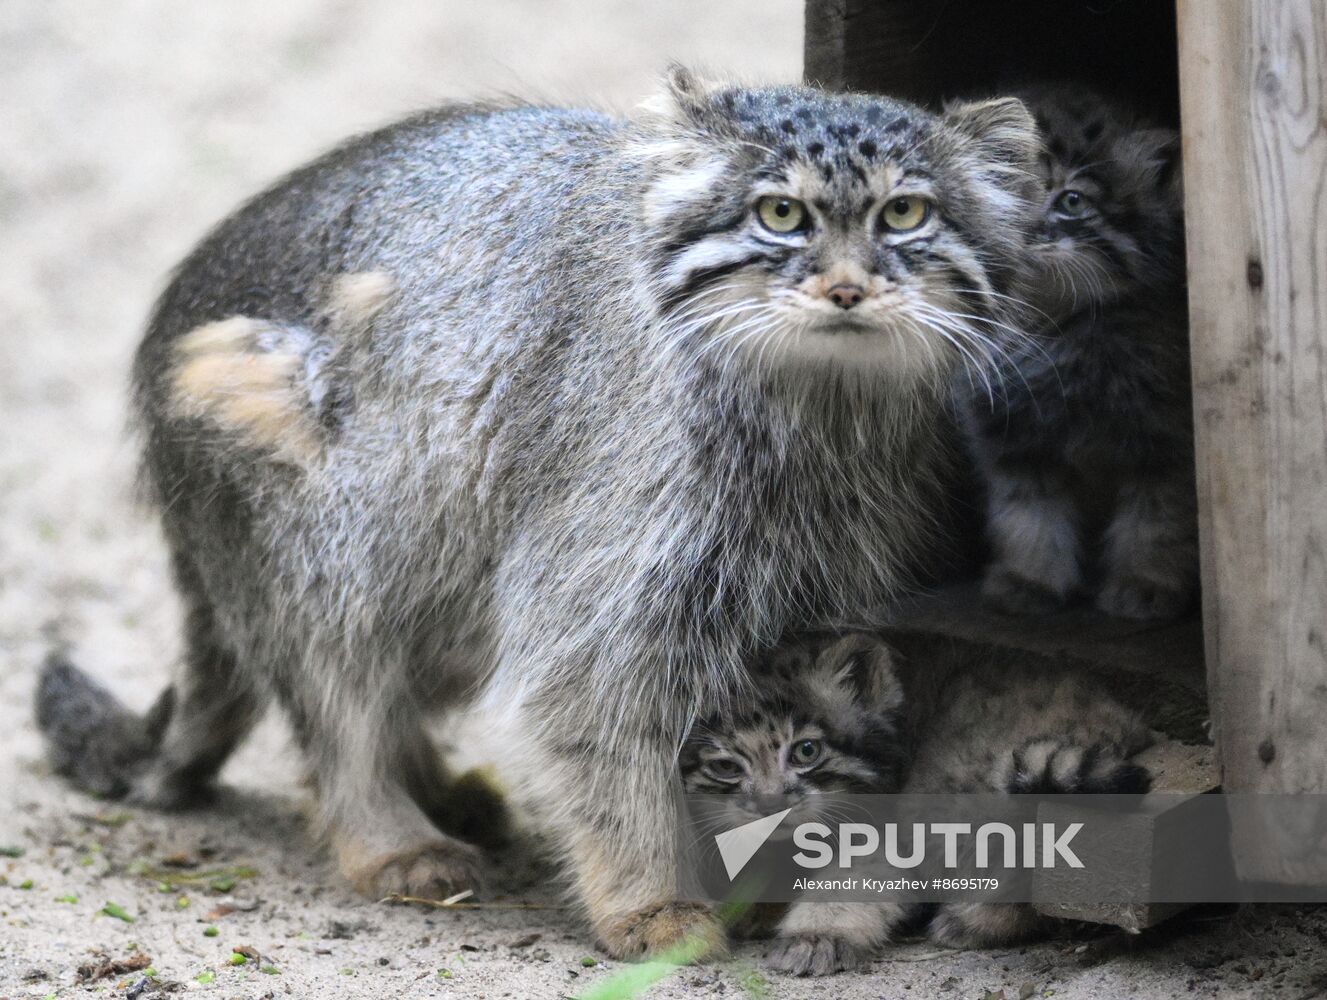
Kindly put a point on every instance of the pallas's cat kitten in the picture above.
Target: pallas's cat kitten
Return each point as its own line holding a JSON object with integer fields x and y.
{"x": 1086, "y": 440}
{"x": 603, "y": 405}
{"x": 842, "y": 714}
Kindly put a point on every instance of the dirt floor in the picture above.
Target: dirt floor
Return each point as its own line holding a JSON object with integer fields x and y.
{"x": 126, "y": 128}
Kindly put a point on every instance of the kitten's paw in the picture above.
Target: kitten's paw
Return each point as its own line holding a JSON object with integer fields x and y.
{"x": 1008, "y": 592}
{"x": 815, "y": 955}
{"x": 983, "y": 925}
{"x": 688, "y": 931}
{"x": 1053, "y": 767}
{"x": 1143, "y": 600}
{"x": 432, "y": 871}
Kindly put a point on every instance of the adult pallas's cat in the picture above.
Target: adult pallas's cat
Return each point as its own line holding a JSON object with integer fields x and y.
{"x": 646, "y": 394}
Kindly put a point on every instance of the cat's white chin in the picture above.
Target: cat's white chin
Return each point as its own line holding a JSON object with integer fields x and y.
{"x": 892, "y": 350}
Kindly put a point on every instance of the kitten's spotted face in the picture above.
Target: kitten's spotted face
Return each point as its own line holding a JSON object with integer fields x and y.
{"x": 792, "y": 224}
{"x": 1110, "y": 215}
{"x": 824, "y": 720}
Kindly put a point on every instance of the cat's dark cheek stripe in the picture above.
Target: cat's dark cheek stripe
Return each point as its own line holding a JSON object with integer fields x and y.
{"x": 952, "y": 269}
{"x": 962, "y": 279}
{"x": 961, "y": 231}
{"x": 694, "y": 281}
{"x": 727, "y": 223}
{"x": 703, "y": 277}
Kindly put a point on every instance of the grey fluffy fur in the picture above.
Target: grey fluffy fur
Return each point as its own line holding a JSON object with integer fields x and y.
{"x": 559, "y": 474}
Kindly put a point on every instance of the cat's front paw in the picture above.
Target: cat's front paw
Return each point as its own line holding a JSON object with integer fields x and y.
{"x": 684, "y": 931}
{"x": 1142, "y": 600}
{"x": 815, "y": 955}
{"x": 1008, "y": 592}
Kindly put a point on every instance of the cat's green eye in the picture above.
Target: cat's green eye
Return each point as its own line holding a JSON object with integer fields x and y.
{"x": 905, "y": 213}
{"x": 723, "y": 769}
{"x": 1071, "y": 203}
{"x": 781, "y": 215}
{"x": 806, "y": 752}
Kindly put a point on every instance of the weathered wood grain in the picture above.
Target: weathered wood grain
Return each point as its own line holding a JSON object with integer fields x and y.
{"x": 1254, "y": 103}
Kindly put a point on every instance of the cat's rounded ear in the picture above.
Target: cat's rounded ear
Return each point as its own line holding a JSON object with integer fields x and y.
{"x": 1154, "y": 156}
{"x": 861, "y": 664}
{"x": 1000, "y": 130}
{"x": 685, "y": 98}
{"x": 789, "y": 660}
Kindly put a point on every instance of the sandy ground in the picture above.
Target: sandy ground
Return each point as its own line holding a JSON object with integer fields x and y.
{"x": 127, "y": 127}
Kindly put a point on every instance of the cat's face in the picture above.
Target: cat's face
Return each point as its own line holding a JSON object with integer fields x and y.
{"x": 824, "y": 720}
{"x": 793, "y": 226}
{"x": 1110, "y": 216}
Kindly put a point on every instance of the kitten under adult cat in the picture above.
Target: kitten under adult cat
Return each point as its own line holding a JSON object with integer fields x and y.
{"x": 648, "y": 393}
{"x": 841, "y": 714}
{"x": 1086, "y": 441}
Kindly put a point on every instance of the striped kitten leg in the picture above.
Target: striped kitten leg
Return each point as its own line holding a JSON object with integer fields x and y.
{"x": 817, "y": 939}
{"x": 1151, "y": 550}
{"x": 984, "y": 925}
{"x": 1034, "y": 532}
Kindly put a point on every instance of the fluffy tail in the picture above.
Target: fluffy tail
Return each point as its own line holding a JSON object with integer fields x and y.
{"x": 1052, "y": 766}
{"x": 90, "y": 736}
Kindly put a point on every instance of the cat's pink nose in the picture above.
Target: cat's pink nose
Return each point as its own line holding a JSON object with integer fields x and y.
{"x": 846, "y": 296}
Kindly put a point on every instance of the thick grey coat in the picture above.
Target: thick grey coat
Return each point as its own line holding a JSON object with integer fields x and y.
{"x": 543, "y": 483}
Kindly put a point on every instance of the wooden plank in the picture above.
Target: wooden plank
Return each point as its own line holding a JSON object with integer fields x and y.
{"x": 1160, "y": 845}
{"x": 1254, "y": 102}
{"x": 1172, "y": 650}
{"x": 1155, "y": 667}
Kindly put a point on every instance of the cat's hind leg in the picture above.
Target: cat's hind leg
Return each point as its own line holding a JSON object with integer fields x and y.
{"x": 1036, "y": 540}
{"x": 1054, "y": 766}
{"x": 1041, "y": 766}
{"x": 1150, "y": 550}
{"x": 367, "y": 746}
